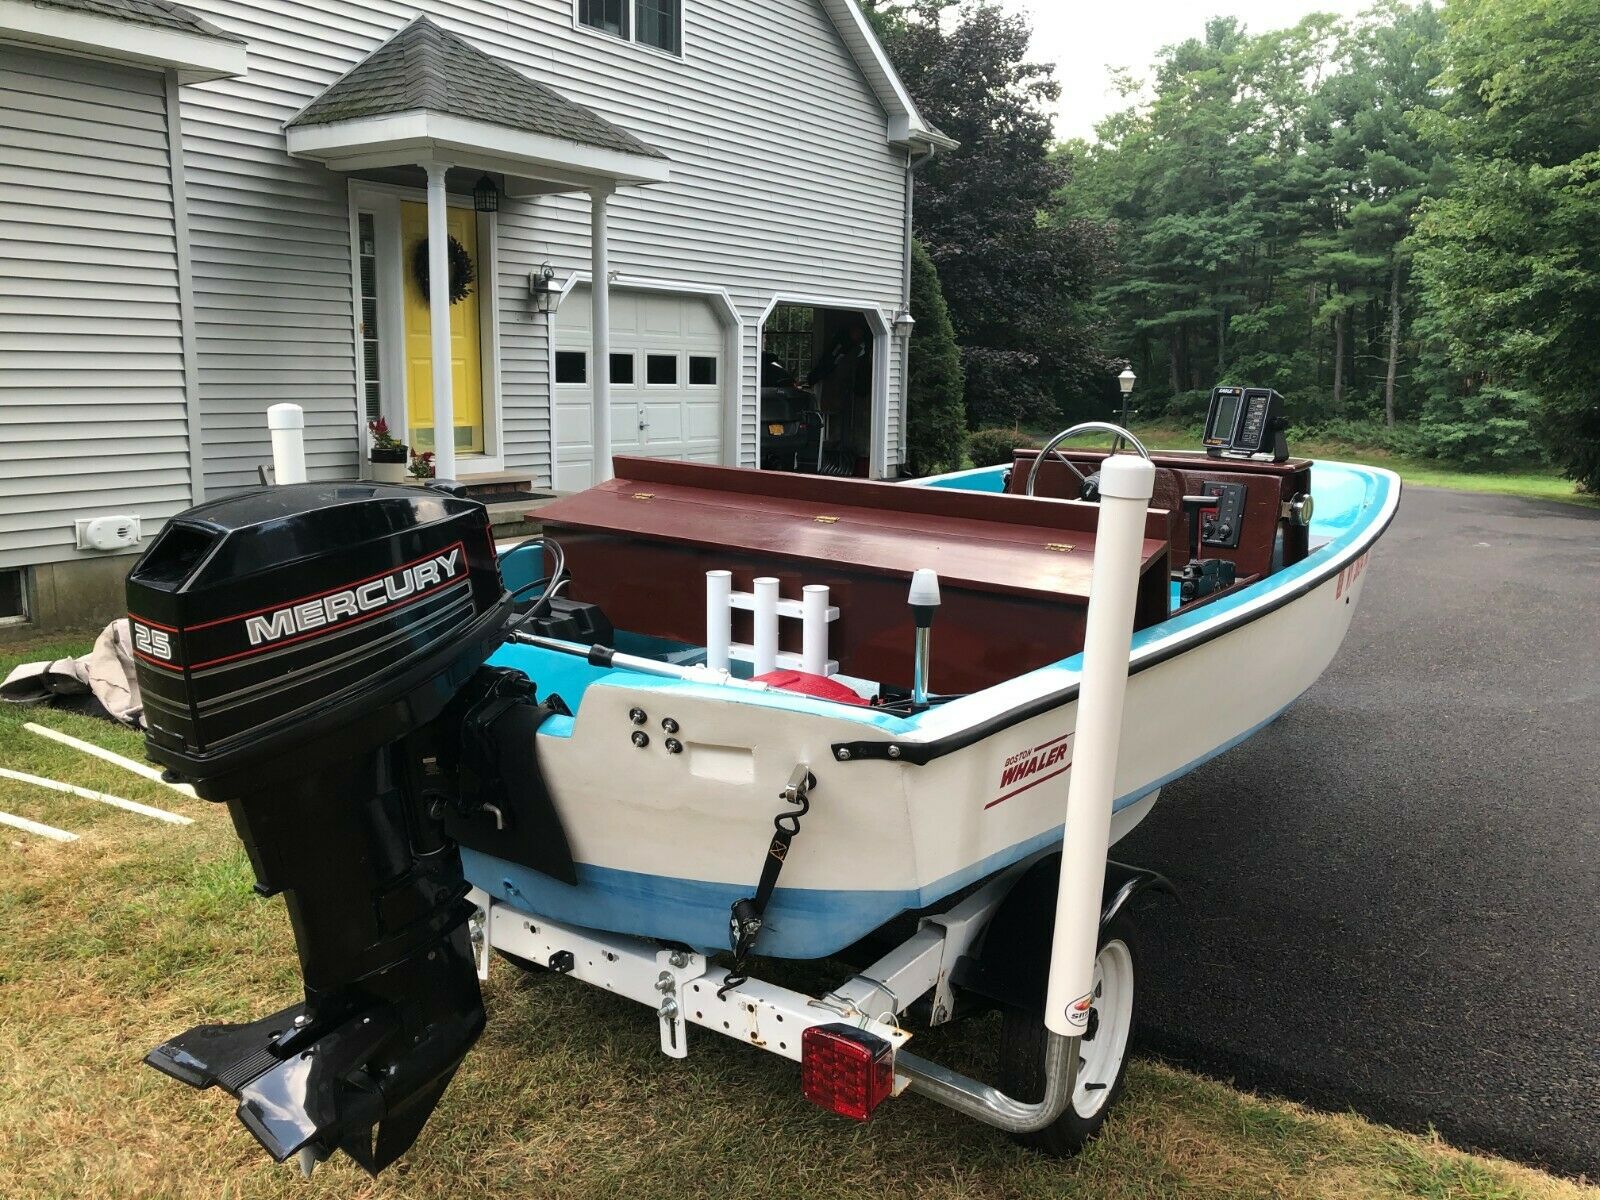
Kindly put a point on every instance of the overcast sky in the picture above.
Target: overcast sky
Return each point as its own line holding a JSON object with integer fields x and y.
{"x": 1088, "y": 39}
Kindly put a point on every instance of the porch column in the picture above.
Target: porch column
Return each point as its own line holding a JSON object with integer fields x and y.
{"x": 444, "y": 408}
{"x": 600, "y": 374}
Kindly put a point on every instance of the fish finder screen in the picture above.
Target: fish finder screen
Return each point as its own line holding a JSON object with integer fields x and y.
{"x": 1225, "y": 404}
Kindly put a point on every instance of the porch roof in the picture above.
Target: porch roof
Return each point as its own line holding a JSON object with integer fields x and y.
{"x": 145, "y": 33}
{"x": 428, "y": 93}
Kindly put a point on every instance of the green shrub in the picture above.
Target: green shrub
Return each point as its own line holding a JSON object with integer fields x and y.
{"x": 990, "y": 447}
{"x": 936, "y": 411}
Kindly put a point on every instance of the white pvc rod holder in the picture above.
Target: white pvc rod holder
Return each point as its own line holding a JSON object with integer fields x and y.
{"x": 719, "y": 618}
{"x": 1126, "y": 483}
{"x": 765, "y": 643}
{"x": 287, "y": 424}
{"x": 814, "y": 629}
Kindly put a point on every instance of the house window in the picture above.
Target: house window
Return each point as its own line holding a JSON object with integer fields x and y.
{"x": 13, "y": 596}
{"x": 572, "y": 366}
{"x": 608, "y": 16}
{"x": 655, "y": 23}
{"x": 661, "y": 369}
{"x": 658, "y": 24}
{"x": 622, "y": 368}
{"x": 367, "y": 261}
{"x": 702, "y": 370}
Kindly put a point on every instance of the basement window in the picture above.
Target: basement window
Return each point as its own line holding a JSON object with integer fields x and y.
{"x": 13, "y": 596}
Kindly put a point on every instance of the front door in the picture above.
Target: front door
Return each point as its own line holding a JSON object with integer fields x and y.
{"x": 466, "y": 360}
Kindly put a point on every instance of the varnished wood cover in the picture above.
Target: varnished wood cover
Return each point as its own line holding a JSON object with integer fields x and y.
{"x": 1014, "y": 572}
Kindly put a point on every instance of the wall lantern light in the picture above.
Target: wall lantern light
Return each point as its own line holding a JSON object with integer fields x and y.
{"x": 904, "y": 323}
{"x": 542, "y": 287}
{"x": 486, "y": 197}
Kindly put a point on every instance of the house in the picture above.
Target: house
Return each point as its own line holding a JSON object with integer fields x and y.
{"x": 208, "y": 210}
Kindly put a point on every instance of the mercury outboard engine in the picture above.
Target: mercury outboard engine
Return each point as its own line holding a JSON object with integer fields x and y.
{"x": 305, "y": 654}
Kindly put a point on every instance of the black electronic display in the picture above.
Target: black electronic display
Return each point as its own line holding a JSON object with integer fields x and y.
{"x": 1245, "y": 423}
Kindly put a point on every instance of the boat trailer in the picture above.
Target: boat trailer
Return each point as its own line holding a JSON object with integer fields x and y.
{"x": 343, "y": 813}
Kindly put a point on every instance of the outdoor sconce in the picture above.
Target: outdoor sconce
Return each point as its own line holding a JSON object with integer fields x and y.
{"x": 542, "y": 287}
{"x": 1126, "y": 381}
{"x": 904, "y": 323}
{"x": 486, "y": 197}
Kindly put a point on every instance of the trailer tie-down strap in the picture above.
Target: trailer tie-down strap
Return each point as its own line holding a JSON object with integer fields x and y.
{"x": 746, "y": 918}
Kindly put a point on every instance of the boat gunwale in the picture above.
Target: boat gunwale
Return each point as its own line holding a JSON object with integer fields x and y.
{"x": 1248, "y": 608}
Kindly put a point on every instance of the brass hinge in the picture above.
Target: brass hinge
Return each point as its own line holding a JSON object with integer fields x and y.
{"x": 644, "y": 495}
{"x": 827, "y": 520}
{"x": 1059, "y": 547}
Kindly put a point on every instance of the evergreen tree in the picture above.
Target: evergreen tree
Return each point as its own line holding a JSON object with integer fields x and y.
{"x": 1510, "y": 258}
{"x": 1018, "y": 286}
{"x": 936, "y": 417}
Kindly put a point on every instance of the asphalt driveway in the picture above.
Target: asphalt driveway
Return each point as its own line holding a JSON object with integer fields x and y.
{"x": 1392, "y": 894}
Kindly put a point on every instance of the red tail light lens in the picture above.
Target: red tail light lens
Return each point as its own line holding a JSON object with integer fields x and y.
{"x": 845, "y": 1070}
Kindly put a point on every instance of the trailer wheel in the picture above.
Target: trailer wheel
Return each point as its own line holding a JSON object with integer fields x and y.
{"x": 1103, "y": 1049}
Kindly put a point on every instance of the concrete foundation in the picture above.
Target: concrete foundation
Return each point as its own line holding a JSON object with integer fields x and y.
{"x": 81, "y": 593}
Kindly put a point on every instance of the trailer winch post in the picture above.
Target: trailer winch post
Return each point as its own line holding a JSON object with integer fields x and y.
{"x": 287, "y": 424}
{"x": 1126, "y": 484}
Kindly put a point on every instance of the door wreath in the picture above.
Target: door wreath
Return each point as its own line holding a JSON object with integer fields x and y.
{"x": 461, "y": 269}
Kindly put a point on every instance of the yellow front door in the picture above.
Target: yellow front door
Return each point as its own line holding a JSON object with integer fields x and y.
{"x": 466, "y": 361}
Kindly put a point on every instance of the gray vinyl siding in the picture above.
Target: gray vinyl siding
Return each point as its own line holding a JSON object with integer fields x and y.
{"x": 92, "y": 383}
{"x": 783, "y": 182}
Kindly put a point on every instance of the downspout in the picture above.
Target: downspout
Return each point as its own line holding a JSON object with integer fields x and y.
{"x": 913, "y": 161}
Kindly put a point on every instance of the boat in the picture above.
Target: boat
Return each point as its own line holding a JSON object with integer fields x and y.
{"x": 638, "y": 787}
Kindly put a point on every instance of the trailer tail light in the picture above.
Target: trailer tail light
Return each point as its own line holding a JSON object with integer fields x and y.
{"x": 845, "y": 1070}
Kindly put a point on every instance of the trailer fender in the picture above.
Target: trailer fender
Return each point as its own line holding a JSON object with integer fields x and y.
{"x": 1011, "y": 964}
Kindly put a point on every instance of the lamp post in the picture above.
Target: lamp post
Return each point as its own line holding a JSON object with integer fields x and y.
{"x": 1126, "y": 381}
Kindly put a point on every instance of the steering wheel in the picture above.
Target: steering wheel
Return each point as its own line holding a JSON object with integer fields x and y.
{"x": 1086, "y": 490}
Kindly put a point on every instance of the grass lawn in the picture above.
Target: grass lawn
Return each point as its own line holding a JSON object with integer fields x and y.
{"x": 1534, "y": 483}
{"x": 113, "y": 943}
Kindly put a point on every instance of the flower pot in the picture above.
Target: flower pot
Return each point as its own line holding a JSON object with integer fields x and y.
{"x": 390, "y": 472}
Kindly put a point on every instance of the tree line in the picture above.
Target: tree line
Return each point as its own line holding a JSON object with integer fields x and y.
{"x": 1393, "y": 219}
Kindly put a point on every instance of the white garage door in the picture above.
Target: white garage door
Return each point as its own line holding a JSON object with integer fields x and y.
{"x": 667, "y": 374}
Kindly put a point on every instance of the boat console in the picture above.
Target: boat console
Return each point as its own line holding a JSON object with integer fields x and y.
{"x": 1014, "y": 572}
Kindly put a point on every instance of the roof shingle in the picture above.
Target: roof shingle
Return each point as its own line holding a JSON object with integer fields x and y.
{"x": 425, "y": 67}
{"x": 156, "y": 13}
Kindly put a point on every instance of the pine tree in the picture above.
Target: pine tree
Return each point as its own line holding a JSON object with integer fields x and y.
{"x": 936, "y": 417}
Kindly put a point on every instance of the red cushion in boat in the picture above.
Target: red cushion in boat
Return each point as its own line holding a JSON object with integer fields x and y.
{"x": 807, "y": 684}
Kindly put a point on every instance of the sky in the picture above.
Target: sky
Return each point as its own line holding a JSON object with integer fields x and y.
{"x": 1087, "y": 41}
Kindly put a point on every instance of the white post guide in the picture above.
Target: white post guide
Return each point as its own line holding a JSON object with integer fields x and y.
{"x": 287, "y": 424}
{"x": 1126, "y": 483}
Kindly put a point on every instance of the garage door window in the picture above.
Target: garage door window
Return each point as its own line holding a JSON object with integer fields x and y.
{"x": 702, "y": 370}
{"x": 661, "y": 369}
{"x": 622, "y": 368}
{"x": 572, "y": 366}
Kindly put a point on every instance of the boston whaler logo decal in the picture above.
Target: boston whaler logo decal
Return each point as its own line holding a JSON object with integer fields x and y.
{"x": 1031, "y": 767}
{"x": 1349, "y": 575}
{"x": 337, "y": 607}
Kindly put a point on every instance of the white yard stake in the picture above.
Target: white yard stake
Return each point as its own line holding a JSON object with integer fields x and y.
{"x": 1126, "y": 482}
{"x": 145, "y": 770}
{"x": 27, "y": 826}
{"x": 132, "y": 806}
{"x": 287, "y": 423}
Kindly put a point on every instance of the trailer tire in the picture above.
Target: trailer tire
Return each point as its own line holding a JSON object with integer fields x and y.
{"x": 1102, "y": 1068}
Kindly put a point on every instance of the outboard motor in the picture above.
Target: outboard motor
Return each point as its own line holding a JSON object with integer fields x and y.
{"x": 305, "y": 654}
